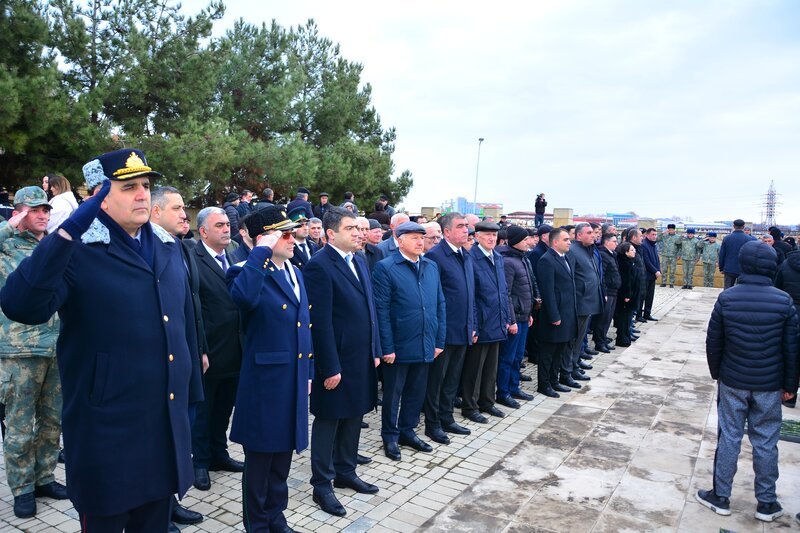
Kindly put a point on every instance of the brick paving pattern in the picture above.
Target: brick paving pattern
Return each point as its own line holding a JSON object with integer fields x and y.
{"x": 457, "y": 487}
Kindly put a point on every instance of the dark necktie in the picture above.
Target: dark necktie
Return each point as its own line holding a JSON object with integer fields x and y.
{"x": 288, "y": 276}
{"x": 223, "y": 261}
{"x": 303, "y": 249}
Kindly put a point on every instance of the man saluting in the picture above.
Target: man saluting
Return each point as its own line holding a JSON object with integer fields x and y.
{"x": 120, "y": 288}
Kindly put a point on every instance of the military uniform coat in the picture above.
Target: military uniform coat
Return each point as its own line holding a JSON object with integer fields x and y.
{"x": 345, "y": 334}
{"x": 126, "y": 359}
{"x": 271, "y": 413}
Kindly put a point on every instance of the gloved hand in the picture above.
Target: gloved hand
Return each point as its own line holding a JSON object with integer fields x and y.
{"x": 80, "y": 219}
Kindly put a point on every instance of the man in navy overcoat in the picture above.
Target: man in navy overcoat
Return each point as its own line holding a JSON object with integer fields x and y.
{"x": 271, "y": 415}
{"x": 126, "y": 352}
{"x": 347, "y": 350}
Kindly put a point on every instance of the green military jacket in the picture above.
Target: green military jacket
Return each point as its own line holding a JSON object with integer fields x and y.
{"x": 21, "y": 340}
{"x": 687, "y": 248}
{"x": 668, "y": 244}
{"x": 709, "y": 251}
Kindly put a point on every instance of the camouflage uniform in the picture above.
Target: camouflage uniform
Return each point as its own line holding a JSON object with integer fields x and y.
{"x": 709, "y": 253}
{"x": 30, "y": 386}
{"x": 688, "y": 252}
{"x": 667, "y": 244}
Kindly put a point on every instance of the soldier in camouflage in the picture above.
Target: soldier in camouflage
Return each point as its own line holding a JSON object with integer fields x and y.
{"x": 709, "y": 254}
{"x": 668, "y": 245}
{"x": 688, "y": 252}
{"x": 30, "y": 386}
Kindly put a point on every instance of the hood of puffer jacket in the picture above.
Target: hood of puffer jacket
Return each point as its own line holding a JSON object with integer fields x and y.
{"x": 793, "y": 258}
{"x": 756, "y": 257}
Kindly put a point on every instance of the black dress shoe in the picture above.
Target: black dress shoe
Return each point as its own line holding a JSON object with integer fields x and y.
{"x": 634, "y": 338}
{"x": 640, "y": 319}
{"x": 634, "y": 330}
{"x": 54, "y": 490}
{"x": 328, "y": 503}
{"x": 608, "y": 339}
{"x": 392, "y": 450}
{"x": 355, "y": 483}
{"x": 227, "y": 465}
{"x": 663, "y": 285}
{"x": 586, "y": 357}
{"x": 584, "y": 366}
{"x": 610, "y": 346}
{"x": 363, "y": 459}
{"x": 580, "y": 377}
{"x": 569, "y": 382}
{"x": 416, "y": 443}
{"x": 456, "y": 429}
{"x": 651, "y": 318}
{"x": 589, "y": 351}
{"x": 525, "y": 377}
{"x": 182, "y": 515}
{"x": 438, "y": 435}
{"x": 602, "y": 348}
{"x": 560, "y": 388}
{"x": 172, "y": 528}
{"x": 671, "y": 286}
{"x": 549, "y": 392}
{"x": 623, "y": 344}
{"x": 494, "y": 411}
{"x": 364, "y": 425}
{"x": 61, "y": 457}
{"x": 25, "y": 505}
{"x": 476, "y": 417}
{"x": 508, "y": 401}
{"x": 520, "y": 395}
{"x": 201, "y": 479}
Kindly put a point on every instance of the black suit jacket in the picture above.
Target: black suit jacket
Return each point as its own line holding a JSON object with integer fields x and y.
{"x": 221, "y": 318}
{"x": 298, "y": 259}
{"x": 345, "y": 335}
{"x": 187, "y": 248}
{"x": 373, "y": 255}
{"x": 557, "y": 287}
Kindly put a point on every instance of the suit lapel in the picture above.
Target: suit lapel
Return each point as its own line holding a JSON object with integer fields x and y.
{"x": 279, "y": 276}
{"x": 339, "y": 263}
{"x": 210, "y": 261}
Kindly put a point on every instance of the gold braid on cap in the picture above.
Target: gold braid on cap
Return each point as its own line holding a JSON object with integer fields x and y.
{"x": 280, "y": 225}
{"x": 133, "y": 164}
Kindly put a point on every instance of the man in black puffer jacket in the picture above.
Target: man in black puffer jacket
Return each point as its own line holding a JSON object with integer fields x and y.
{"x": 752, "y": 349}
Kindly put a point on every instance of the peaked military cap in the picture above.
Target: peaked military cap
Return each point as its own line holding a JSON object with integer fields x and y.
{"x": 298, "y": 214}
{"x": 118, "y": 165}
{"x": 270, "y": 218}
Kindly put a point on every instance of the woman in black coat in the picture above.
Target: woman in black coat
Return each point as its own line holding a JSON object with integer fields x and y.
{"x": 627, "y": 292}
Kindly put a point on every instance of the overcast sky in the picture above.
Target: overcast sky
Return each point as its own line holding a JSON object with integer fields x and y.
{"x": 664, "y": 108}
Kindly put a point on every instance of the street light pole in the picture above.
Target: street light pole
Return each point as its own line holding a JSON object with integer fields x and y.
{"x": 477, "y": 169}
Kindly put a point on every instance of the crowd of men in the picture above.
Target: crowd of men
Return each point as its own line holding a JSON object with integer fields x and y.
{"x": 164, "y": 339}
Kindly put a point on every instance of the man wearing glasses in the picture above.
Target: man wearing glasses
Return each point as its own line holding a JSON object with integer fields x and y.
{"x": 433, "y": 235}
{"x": 271, "y": 415}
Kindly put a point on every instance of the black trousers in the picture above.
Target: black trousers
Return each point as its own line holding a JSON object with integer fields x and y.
{"x": 532, "y": 342}
{"x": 570, "y": 358}
{"x": 729, "y": 280}
{"x": 265, "y": 493}
{"x": 444, "y": 379}
{"x": 550, "y": 355}
{"x": 209, "y": 432}
{"x": 605, "y": 320}
{"x": 479, "y": 378}
{"x": 152, "y": 517}
{"x": 334, "y": 447}
{"x": 649, "y": 294}
{"x": 622, "y": 320}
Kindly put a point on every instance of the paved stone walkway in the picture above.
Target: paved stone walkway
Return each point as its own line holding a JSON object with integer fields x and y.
{"x": 625, "y": 453}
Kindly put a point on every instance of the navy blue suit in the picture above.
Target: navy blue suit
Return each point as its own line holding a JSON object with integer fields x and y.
{"x": 411, "y": 318}
{"x": 556, "y": 279}
{"x": 299, "y": 259}
{"x": 457, "y": 276}
{"x": 127, "y": 360}
{"x": 271, "y": 415}
{"x": 346, "y": 342}
{"x": 493, "y": 311}
{"x": 652, "y": 264}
